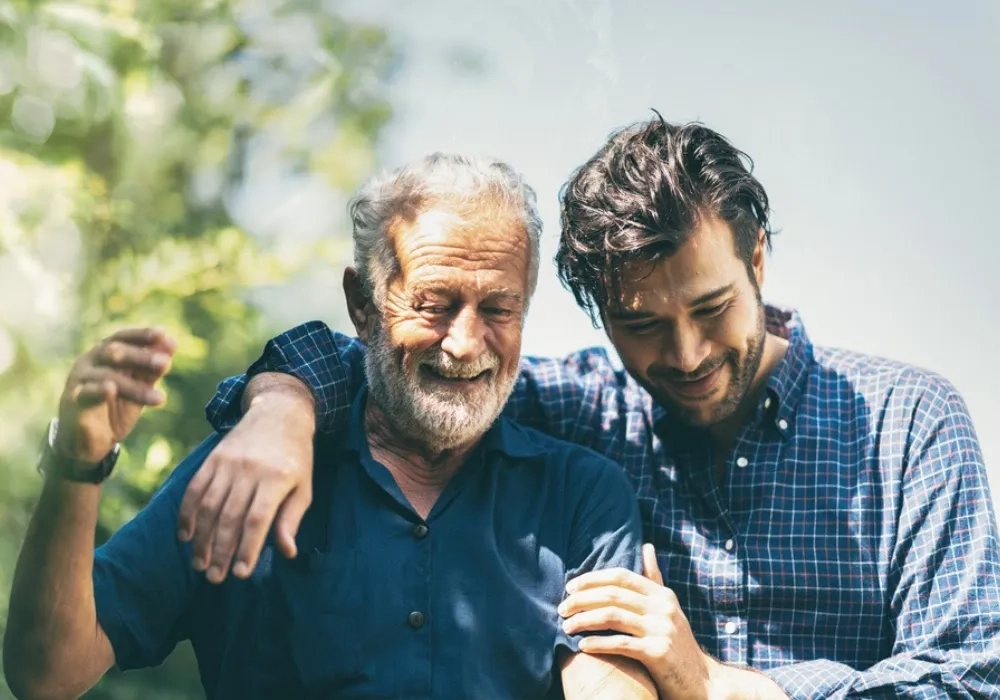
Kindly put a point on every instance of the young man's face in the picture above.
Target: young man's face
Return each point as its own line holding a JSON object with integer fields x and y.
{"x": 690, "y": 327}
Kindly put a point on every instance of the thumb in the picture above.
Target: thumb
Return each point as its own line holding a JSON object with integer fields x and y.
{"x": 290, "y": 515}
{"x": 650, "y": 567}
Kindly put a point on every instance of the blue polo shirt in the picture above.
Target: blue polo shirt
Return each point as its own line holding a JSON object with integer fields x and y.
{"x": 381, "y": 603}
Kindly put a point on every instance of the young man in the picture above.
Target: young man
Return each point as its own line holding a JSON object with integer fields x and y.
{"x": 822, "y": 518}
{"x": 437, "y": 549}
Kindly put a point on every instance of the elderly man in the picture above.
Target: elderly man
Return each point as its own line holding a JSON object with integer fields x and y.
{"x": 434, "y": 556}
{"x": 822, "y": 518}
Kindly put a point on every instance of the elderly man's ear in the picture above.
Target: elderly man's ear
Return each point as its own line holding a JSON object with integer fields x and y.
{"x": 359, "y": 305}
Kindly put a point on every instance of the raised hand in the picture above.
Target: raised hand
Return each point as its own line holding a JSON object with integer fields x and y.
{"x": 107, "y": 389}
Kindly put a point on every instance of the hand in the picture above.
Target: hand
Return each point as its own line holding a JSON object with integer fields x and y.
{"x": 107, "y": 389}
{"x": 651, "y": 626}
{"x": 261, "y": 472}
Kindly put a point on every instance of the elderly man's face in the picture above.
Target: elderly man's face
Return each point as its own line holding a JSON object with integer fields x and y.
{"x": 443, "y": 353}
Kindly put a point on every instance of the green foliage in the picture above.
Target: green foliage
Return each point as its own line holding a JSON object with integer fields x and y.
{"x": 151, "y": 154}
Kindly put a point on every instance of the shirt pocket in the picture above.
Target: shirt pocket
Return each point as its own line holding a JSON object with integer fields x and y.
{"x": 323, "y": 608}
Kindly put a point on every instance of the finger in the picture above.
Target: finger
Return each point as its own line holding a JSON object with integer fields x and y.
{"x": 188, "y": 514}
{"x": 290, "y": 517}
{"x": 206, "y": 519}
{"x": 228, "y": 528}
{"x": 620, "y": 644}
{"x": 591, "y": 598}
{"x": 128, "y": 388}
{"x": 650, "y": 567}
{"x": 606, "y": 618}
{"x": 122, "y": 356}
{"x": 145, "y": 337}
{"x": 93, "y": 393}
{"x": 256, "y": 525}
{"x": 611, "y": 577}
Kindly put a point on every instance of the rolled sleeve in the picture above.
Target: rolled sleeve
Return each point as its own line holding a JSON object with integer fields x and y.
{"x": 606, "y": 531}
{"x": 144, "y": 584}
{"x": 330, "y": 364}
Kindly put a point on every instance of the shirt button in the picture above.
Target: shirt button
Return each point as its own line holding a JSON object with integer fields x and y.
{"x": 742, "y": 462}
{"x": 420, "y": 531}
{"x": 783, "y": 424}
{"x": 416, "y": 619}
{"x": 767, "y": 402}
{"x": 729, "y": 545}
{"x": 730, "y": 627}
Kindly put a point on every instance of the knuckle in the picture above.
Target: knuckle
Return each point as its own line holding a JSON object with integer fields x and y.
{"x": 114, "y": 352}
{"x": 208, "y": 508}
{"x": 670, "y": 598}
{"x": 256, "y": 520}
{"x": 228, "y": 522}
{"x": 658, "y": 648}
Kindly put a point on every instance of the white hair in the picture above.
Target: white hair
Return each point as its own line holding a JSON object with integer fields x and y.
{"x": 407, "y": 191}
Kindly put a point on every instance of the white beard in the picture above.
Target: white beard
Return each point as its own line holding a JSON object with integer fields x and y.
{"x": 427, "y": 412}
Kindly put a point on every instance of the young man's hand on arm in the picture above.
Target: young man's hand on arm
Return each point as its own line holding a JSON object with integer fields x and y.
{"x": 648, "y": 626}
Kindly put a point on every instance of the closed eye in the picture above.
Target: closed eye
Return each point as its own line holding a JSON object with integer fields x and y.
{"x": 497, "y": 312}
{"x": 433, "y": 310}
{"x": 709, "y": 311}
{"x": 641, "y": 328}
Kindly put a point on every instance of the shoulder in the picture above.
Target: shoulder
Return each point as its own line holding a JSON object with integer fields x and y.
{"x": 882, "y": 380}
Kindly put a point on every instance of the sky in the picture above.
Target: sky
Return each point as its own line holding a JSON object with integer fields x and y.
{"x": 873, "y": 128}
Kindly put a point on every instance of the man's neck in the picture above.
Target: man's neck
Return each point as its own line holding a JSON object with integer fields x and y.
{"x": 420, "y": 470}
{"x": 724, "y": 433}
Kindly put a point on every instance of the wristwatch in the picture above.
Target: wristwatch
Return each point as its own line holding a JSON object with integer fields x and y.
{"x": 51, "y": 463}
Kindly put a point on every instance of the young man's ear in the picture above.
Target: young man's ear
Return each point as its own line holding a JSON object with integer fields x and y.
{"x": 759, "y": 257}
{"x": 359, "y": 305}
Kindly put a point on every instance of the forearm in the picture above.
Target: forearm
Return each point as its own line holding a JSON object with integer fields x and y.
{"x": 270, "y": 386}
{"x": 54, "y": 646}
{"x": 592, "y": 677}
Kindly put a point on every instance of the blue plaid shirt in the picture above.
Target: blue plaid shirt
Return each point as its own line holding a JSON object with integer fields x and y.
{"x": 851, "y": 550}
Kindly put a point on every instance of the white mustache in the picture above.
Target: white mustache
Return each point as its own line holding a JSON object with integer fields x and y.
{"x": 447, "y": 366}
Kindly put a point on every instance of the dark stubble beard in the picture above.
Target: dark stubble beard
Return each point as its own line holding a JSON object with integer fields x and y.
{"x": 742, "y": 375}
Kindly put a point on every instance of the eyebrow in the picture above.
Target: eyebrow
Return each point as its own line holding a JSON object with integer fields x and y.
{"x": 711, "y": 296}
{"x": 638, "y": 314}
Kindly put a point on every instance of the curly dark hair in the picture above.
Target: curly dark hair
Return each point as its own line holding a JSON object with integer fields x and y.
{"x": 643, "y": 194}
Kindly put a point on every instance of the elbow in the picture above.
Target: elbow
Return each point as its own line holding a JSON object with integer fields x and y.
{"x": 32, "y": 674}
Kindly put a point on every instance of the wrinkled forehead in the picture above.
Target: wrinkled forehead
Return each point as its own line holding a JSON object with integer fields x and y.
{"x": 482, "y": 243}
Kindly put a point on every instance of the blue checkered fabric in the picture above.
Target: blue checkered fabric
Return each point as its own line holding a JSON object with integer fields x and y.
{"x": 851, "y": 549}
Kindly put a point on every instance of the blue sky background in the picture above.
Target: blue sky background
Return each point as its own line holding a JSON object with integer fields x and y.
{"x": 873, "y": 126}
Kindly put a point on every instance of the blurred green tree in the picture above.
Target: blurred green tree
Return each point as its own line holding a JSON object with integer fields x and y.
{"x": 159, "y": 162}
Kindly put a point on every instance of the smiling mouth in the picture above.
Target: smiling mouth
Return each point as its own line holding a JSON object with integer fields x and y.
{"x": 432, "y": 373}
{"x": 696, "y": 388}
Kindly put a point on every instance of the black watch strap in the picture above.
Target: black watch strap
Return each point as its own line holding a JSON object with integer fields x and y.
{"x": 53, "y": 464}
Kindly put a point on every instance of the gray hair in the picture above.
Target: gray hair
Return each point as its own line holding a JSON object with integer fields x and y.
{"x": 405, "y": 191}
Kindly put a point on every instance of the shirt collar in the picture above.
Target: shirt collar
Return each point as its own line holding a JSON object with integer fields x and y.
{"x": 505, "y": 436}
{"x": 785, "y": 386}
{"x": 788, "y": 380}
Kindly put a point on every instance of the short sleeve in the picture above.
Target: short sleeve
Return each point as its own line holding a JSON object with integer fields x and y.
{"x": 144, "y": 584}
{"x": 606, "y": 530}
